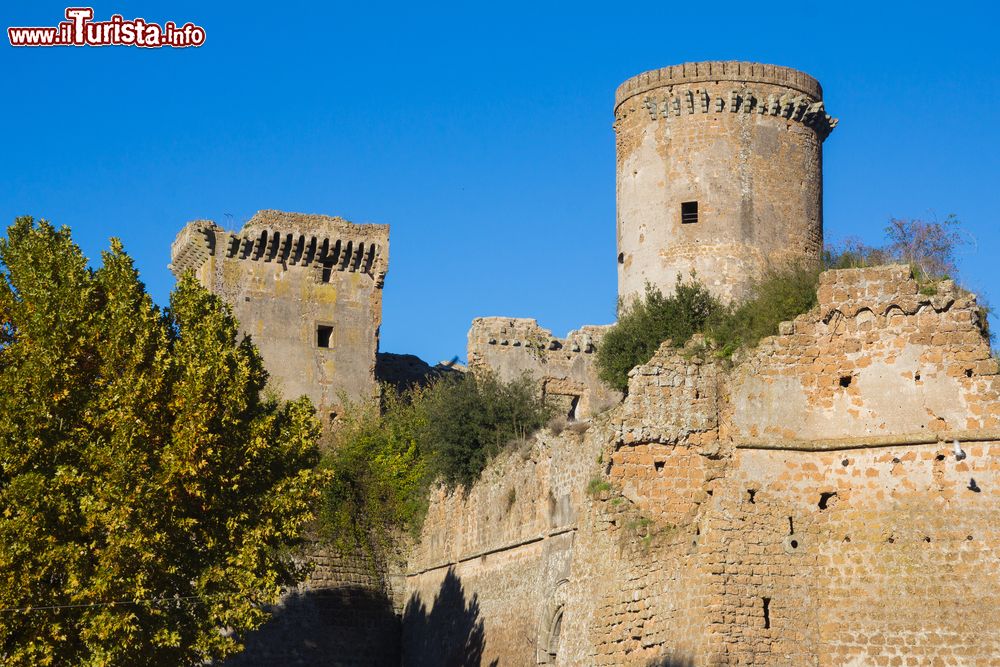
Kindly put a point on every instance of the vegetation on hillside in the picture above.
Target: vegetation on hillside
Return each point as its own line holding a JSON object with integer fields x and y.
{"x": 384, "y": 457}
{"x": 780, "y": 294}
{"x": 149, "y": 492}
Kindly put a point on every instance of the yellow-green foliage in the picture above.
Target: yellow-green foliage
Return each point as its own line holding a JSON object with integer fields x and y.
{"x": 148, "y": 493}
{"x": 379, "y": 475}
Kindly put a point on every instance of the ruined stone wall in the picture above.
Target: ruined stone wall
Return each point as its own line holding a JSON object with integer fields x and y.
{"x": 804, "y": 506}
{"x": 743, "y": 141}
{"x": 488, "y": 576}
{"x": 565, "y": 366}
{"x": 306, "y": 288}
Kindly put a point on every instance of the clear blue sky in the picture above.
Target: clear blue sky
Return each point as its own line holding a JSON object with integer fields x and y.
{"x": 482, "y": 135}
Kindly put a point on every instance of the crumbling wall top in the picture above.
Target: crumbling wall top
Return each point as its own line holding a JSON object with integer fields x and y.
{"x": 288, "y": 238}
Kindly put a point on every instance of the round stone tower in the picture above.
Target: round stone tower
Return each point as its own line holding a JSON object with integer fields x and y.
{"x": 720, "y": 173}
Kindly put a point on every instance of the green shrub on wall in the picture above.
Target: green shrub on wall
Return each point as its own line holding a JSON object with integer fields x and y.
{"x": 645, "y": 323}
{"x": 383, "y": 457}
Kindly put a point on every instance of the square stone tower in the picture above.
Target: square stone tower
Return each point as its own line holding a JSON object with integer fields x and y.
{"x": 306, "y": 288}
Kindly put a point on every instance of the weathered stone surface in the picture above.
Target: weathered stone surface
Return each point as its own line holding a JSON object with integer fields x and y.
{"x": 564, "y": 366}
{"x": 306, "y": 288}
{"x": 744, "y": 141}
{"x": 751, "y": 515}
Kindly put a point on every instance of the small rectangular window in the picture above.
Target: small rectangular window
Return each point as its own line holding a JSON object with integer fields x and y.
{"x": 689, "y": 212}
{"x": 323, "y": 334}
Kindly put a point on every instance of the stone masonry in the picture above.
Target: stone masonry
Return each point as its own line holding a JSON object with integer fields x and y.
{"x": 804, "y": 505}
{"x": 719, "y": 173}
{"x": 306, "y": 288}
{"x": 828, "y": 498}
{"x": 564, "y": 367}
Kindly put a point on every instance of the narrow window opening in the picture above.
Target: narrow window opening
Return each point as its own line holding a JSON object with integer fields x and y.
{"x": 689, "y": 212}
{"x": 845, "y": 381}
{"x": 752, "y": 493}
{"x": 767, "y": 612}
{"x": 573, "y": 407}
{"x": 968, "y": 372}
{"x": 659, "y": 466}
{"x": 621, "y": 258}
{"x": 323, "y": 335}
{"x": 824, "y": 498}
{"x": 327, "y": 271}
{"x": 791, "y": 526}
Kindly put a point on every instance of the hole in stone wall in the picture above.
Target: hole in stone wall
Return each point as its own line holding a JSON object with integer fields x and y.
{"x": 767, "y": 612}
{"x": 939, "y": 457}
{"x": 927, "y": 538}
{"x": 697, "y": 394}
{"x": 847, "y": 538}
{"x": 794, "y": 544}
{"x": 752, "y": 493}
{"x": 689, "y": 212}
{"x": 323, "y": 335}
{"x": 824, "y": 498}
{"x": 968, "y": 372}
{"x": 845, "y": 462}
{"x": 973, "y": 486}
{"x": 916, "y": 376}
{"x": 891, "y": 540}
{"x": 845, "y": 380}
{"x": 968, "y": 537}
{"x": 573, "y": 406}
{"x": 326, "y": 273}
{"x": 659, "y": 465}
{"x": 621, "y": 258}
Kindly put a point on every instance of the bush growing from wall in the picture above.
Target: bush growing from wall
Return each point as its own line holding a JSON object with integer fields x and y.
{"x": 774, "y": 298}
{"x": 645, "y": 323}
{"x": 779, "y": 295}
{"x": 383, "y": 458}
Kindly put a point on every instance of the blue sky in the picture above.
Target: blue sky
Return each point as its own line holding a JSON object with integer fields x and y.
{"x": 482, "y": 135}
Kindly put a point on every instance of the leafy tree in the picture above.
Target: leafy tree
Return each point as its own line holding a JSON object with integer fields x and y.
{"x": 645, "y": 323}
{"x": 473, "y": 416}
{"x": 148, "y": 492}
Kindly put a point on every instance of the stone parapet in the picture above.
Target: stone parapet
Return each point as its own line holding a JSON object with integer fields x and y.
{"x": 272, "y": 236}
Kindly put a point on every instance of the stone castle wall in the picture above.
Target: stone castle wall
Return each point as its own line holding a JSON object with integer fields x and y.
{"x": 770, "y": 513}
{"x": 306, "y": 288}
{"x": 743, "y": 142}
{"x": 565, "y": 367}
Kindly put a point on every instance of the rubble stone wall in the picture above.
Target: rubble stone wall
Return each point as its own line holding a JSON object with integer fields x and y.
{"x": 764, "y": 512}
{"x": 566, "y": 367}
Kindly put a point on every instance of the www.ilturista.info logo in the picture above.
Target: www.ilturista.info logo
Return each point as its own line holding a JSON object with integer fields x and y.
{"x": 81, "y": 30}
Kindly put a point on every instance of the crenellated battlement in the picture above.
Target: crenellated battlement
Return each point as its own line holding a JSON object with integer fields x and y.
{"x": 331, "y": 244}
{"x": 716, "y": 71}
